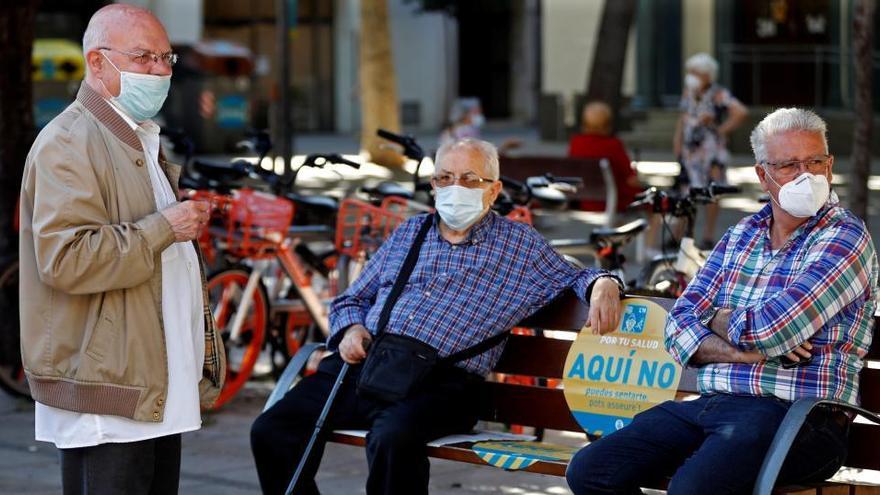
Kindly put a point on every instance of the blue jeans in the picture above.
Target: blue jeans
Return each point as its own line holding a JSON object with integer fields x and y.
{"x": 714, "y": 444}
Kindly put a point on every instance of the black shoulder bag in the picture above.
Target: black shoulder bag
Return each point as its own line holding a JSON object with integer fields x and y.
{"x": 397, "y": 364}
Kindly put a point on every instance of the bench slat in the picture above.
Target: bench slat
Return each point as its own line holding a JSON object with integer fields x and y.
{"x": 864, "y": 440}
{"x": 526, "y": 405}
{"x": 534, "y": 356}
{"x": 869, "y": 388}
{"x": 462, "y": 453}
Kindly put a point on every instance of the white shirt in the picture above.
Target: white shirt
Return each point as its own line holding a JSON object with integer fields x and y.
{"x": 182, "y": 306}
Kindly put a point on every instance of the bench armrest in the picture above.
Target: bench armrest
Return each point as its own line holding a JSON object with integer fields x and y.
{"x": 785, "y": 435}
{"x": 293, "y": 369}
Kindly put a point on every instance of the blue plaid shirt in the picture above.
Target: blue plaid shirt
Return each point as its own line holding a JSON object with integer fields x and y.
{"x": 460, "y": 294}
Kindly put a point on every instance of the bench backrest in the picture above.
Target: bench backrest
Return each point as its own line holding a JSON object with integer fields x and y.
{"x": 544, "y": 358}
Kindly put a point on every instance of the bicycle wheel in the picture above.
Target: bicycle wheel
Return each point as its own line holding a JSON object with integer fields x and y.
{"x": 226, "y": 289}
{"x": 664, "y": 280}
{"x": 12, "y": 377}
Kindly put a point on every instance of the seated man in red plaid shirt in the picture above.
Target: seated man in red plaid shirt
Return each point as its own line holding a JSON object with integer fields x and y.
{"x": 476, "y": 276}
{"x": 783, "y": 310}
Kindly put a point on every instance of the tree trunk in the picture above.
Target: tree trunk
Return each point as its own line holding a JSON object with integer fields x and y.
{"x": 16, "y": 109}
{"x": 378, "y": 87}
{"x": 863, "y": 43}
{"x": 606, "y": 75}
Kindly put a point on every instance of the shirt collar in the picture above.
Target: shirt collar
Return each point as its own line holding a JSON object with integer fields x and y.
{"x": 764, "y": 217}
{"x": 108, "y": 115}
{"x": 478, "y": 232}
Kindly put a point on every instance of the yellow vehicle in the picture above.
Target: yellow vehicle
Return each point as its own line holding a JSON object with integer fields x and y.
{"x": 58, "y": 68}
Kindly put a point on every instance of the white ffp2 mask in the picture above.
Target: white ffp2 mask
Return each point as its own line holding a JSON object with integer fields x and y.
{"x": 803, "y": 196}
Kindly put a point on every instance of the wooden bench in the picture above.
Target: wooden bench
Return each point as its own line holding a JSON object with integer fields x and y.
{"x": 599, "y": 185}
{"x": 546, "y": 408}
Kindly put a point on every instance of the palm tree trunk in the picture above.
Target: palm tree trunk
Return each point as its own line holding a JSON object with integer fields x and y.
{"x": 606, "y": 75}
{"x": 863, "y": 43}
{"x": 378, "y": 85}
{"x": 16, "y": 109}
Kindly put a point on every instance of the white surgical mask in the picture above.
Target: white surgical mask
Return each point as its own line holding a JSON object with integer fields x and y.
{"x": 692, "y": 82}
{"x": 477, "y": 120}
{"x": 803, "y": 196}
{"x": 141, "y": 96}
{"x": 458, "y": 206}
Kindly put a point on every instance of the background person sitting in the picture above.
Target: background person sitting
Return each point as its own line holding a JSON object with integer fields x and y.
{"x": 596, "y": 141}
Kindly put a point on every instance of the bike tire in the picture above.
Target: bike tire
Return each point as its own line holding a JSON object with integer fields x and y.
{"x": 226, "y": 288}
{"x": 12, "y": 376}
{"x": 664, "y": 280}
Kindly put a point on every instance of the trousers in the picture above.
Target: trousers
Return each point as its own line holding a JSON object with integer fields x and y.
{"x": 148, "y": 467}
{"x": 714, "y": 444}
{"x": 447, "y": 403}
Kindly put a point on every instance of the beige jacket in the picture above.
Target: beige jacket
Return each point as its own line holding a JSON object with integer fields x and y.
{"x": 91, "y": 240}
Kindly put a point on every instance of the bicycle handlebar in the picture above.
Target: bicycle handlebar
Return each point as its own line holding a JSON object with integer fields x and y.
{"x": 709, "y": 192}
{"x": 411, "y": 148}
{"x": 670, "y": 201}
{"x": 336, "y": 158}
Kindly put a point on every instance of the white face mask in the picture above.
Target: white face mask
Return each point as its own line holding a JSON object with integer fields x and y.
{"x": 692, "y": 82}
{"x": 458, "y": 206}
{"x": 803, "y": 196}
{"x": 477, "y": 120}
{"x": 141, "y": 96}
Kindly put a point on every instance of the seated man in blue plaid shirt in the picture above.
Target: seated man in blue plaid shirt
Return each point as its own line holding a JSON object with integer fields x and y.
{"x": 477, "y": 275}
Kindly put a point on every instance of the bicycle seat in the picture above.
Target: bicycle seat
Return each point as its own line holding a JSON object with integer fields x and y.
{"x": 618, "y": 235}
{"x": 385, "y": 189}
{"x": 219, "y": 171}
{"x": 316, "y": 202}
{"x": 549, "y": 198}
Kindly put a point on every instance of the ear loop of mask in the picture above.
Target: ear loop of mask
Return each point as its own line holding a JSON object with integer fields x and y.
{"x": 117, "y": 70}
{"x": 768, "y": 174}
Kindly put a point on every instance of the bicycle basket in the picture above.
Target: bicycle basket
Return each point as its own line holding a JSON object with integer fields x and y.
{"x": 362, "y": 227}
{"x": 256, "y": 217}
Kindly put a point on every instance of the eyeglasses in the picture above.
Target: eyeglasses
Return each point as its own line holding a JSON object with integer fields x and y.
{"x": 790, "y": 168}
{"x": 144, "y": 57}
{"x": 468, "y": 180}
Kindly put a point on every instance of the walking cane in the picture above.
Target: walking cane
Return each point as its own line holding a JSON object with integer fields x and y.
{"x": 319, "y": 425}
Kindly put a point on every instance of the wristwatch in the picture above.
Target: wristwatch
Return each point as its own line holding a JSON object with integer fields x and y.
{"x": 708, "y": 315}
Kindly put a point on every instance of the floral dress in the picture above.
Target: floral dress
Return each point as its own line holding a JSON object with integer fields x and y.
{"x": 702, "y": 147}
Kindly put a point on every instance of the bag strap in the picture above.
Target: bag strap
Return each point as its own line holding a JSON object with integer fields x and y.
{"x": 408, "y": 264}
{"x": 476, "y": 349}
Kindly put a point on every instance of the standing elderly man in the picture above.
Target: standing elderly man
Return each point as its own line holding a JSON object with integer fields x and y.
{"x": 118, "y": 345}
{"x": 783, "y": 309}
{"x": 477, "y": 274}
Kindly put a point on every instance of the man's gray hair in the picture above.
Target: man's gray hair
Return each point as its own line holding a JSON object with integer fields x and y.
{"x": 97, "y": 32}
{"x": 785, "y": 120}
{"x": 487, "y": 151}
{"x": 703, "y": 63}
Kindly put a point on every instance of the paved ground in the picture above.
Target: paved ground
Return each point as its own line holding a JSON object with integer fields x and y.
{"x": 217, "y": 458}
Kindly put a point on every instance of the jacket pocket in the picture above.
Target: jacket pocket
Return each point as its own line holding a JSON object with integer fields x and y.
{"x": 101, "y": 338}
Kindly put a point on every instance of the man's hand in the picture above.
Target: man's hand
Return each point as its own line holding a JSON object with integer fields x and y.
{"x": 604, "y": 314}
{"x": 353, "y": 348}
{"x": 187, "y": 218}
{"x": 801, "y": 352}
